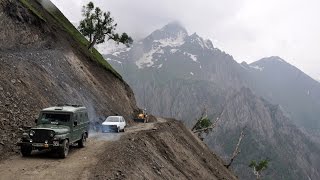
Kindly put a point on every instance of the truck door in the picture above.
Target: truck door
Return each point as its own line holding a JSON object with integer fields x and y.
{"x": 76, "y": 133}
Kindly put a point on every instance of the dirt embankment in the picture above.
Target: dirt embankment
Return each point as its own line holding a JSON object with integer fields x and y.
{"x": 167, "y": 151}
{"x": 42, "y": 65}
{"x": 159, "y": 150}
{"x": 46, "y": 165}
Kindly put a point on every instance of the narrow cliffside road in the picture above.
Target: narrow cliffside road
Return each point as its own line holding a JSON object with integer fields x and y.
{"x": 165, "y": 149}
{"x": 45, "y": 165}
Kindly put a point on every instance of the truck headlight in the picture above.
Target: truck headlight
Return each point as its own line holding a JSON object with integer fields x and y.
{"x": 31, "y": 133}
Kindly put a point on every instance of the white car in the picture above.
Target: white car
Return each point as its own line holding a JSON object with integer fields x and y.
{"x": 114, "y": 123}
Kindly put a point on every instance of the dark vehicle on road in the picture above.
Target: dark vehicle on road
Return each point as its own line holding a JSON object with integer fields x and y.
{"x": 56, "y": 129}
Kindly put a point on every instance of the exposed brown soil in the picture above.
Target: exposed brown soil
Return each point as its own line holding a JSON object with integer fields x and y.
{"x": 46, "y": 165}
{"x": 167, "y": 151}
{"x": 160, "y": 150}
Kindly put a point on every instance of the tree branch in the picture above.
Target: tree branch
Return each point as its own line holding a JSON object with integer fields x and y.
{"x": 236, "y": 151}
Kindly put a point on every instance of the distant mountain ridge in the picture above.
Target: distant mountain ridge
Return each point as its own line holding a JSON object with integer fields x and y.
{"x": 174, "y": 74}
{"x": 281, "y": 83}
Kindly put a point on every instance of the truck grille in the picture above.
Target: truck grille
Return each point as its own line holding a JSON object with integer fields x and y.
{"x": 41, "y": 135}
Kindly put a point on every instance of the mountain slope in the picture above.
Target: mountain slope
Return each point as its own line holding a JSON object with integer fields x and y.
{"x": 44, "y": 62}
{"x": 42, "y": 65}
{"x": 180, "y": 75}
{"x": 269, "y": 133}
{"x": 284, "y": 84}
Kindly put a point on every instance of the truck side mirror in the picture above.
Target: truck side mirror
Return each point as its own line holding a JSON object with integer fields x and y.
{"x": 75, "y": 123}
{"x": 36, "y": 121}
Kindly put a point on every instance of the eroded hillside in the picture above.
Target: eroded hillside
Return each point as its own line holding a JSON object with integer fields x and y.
{"x": 167, "y": 151}
{"x": 43, "y": 63}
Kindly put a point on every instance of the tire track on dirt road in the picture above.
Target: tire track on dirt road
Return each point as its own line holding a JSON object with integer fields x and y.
{"x": 45, "y": 165}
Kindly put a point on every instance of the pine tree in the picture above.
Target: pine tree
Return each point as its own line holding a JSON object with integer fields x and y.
{"x": 98, "y": 25}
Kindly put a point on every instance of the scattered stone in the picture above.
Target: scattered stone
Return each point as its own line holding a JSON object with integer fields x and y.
{"x": 13, "y": 81}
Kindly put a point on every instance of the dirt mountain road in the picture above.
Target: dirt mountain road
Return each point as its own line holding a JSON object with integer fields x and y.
{"x": 43, "y": 165}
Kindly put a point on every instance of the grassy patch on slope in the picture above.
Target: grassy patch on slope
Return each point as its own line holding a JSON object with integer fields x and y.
{"x": 71, "y": 30}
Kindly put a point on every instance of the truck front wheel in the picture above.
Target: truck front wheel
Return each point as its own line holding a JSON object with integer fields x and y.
{"x": 64, "y": 149}
{"x": 82, "y": 141}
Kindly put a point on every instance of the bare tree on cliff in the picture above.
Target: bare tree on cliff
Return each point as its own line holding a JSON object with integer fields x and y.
{"x": 98, "y": 25}
{"x": 237, "y": 150}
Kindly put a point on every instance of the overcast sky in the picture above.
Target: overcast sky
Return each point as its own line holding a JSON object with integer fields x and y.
{"x": 247, "y": 29}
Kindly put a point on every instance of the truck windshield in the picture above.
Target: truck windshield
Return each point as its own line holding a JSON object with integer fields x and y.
{"x": 53, "y": 118}
{"x": 113, "y": 119}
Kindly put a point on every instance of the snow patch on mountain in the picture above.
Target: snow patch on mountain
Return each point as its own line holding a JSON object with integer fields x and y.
{"x": 204, "y": 44}
{"x": 174, "y": 50}
{"x": 192, "y": 73}
{"x": 118, "y": 52}
{"x": 114, "y": 61}
{"x": 173, "y": 42}
{"x": 192, "y": 56}
{"x": 146, "y": 59}
{"x": 257, "y": 68}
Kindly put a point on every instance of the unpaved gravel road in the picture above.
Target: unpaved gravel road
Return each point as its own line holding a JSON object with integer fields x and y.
{"x": 44, "y": 165}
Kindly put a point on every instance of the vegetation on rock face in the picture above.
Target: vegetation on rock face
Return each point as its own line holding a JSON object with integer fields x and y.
{"x": 97, "y": 25}
{"x": 203, "y": 125}
{"x": 259, "y": 167}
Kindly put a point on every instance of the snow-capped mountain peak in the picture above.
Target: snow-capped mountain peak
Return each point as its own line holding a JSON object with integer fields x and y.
{"x": 169, "y": 43}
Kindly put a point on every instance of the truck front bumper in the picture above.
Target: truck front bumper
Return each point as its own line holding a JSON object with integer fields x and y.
{"x": 41, "y": 145}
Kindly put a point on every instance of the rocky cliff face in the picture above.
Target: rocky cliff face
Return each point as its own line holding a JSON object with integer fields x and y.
{"x": 42, "y": 65}
{"x": 180, "y": 75}
{"x": 281, "y": 83}
{"x": 269, "y": 133}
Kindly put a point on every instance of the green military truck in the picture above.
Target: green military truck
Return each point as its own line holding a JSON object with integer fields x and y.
{"x": 56, "y": 129}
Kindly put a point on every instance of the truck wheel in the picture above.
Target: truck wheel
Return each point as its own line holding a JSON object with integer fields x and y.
{"x": 64, "y": 150}
{"x": 26, "y": 150}
{"x": 82, "y": 142}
